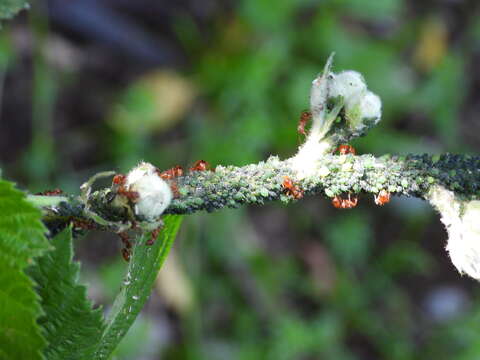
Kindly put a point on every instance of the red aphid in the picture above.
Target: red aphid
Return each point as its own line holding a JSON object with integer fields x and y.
{"x": 119, "y": 181}
{"x": 83, "y": 224}
{"x": 153, "y": 237}
{"x": 348, "y": 203}
{"x": 125, "y": 239}
{"x": 126, "y": 254}
{"x": 171, "y": 173}
{"x": 50, "y": 192}
{"x": 346, "y": 149}
{"x": 305, "y": 117}
{"x": 201, "y": 165}
{"x": 131, "y": 195}
{"x": 291, "y": 189}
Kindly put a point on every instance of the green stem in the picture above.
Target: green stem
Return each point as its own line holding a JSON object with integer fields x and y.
{"x": 45, "y": 201}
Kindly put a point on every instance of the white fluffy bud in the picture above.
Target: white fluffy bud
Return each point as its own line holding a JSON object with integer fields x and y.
{"x": 154, "y": 194}
{"x": 461, "y": 220}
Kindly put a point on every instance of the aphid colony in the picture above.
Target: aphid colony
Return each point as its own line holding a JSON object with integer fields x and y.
{"x": 339, "y": 202}
{"x": 148, "y": 191}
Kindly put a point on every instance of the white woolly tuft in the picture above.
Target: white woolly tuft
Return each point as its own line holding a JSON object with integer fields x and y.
{"x": 347, "y": 84}
{"x": 154, "y": 194}
{"x": 462, "y": 222}
{"x": 370, "y": 106}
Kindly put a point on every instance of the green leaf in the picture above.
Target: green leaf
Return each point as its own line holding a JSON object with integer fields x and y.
{"x": 9, "y": 8}
{"x": 21, "y": 240}
{"x": 21, "y": 231}
{"x": 72, "y": 328}
{"x": 137, "y": 285}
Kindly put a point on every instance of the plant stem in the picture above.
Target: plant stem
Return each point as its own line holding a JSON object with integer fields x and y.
{"x": 330, "y": 175}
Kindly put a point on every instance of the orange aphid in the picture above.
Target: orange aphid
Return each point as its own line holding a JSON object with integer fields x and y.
{"x": 348, "y": 203}
{"x": 200, "y": 165}
{"x": 171, "y": 173}
{"x": 346, "y": 149}
{"x": 382, "y": 198}
{"x": 119, "y": 180}
{"x": 291, "y": 189}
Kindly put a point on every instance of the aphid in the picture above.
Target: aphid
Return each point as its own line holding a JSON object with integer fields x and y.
{"x": 119, "y": 181}
{"x": 291, "y": 189}
{"x": 351, "y": 202}
{"x": 348, "y": 203}
{"x": 382, "y": 198}
{"x": 171, "y": 173}
{"x": 50, "y": 192}
{"x": 127, "y": 245}
{"x": 83, "y": 224}
{"x": 305, "y": 117}
{"x": 126, "y": 254}
{"x": 154, "y": 237}
{"x": 346, "y": 149}
{"x": 125, "y": 239}
{"x": 337, "y": 202}
{"x": 201, "y": 165}
{"x": 174, "y": 188}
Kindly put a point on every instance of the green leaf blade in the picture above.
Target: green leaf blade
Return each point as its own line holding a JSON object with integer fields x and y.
{"x": 141, "y": 274}
{"x": 72, "y": 328}
{"x": 21, "y": 231}
{"x": 21, "y": 241}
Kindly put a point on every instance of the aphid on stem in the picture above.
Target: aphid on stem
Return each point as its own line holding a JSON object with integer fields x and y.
{"x": 382, "y": 198}
{"x": 171, "y": 173}
{"x": 169, "y": 176}
{"x": 346, "y": 149}
{"x": 291, "y": 189}
{"x": 348, "y": 203}
{"x": 83, "y": 224}
{"x": 119, "y": 181}
{"x": 53, "y": 192}
{"x": 201, "y": 165}
{"x": 305, "y": 117}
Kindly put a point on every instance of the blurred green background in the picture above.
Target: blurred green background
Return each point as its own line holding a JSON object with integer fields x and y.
{"x": 97, "y": 85}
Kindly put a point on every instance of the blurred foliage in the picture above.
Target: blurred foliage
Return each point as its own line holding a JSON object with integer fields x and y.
{"x": 301, "y": 282}
{"x": 9, "y": 8}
